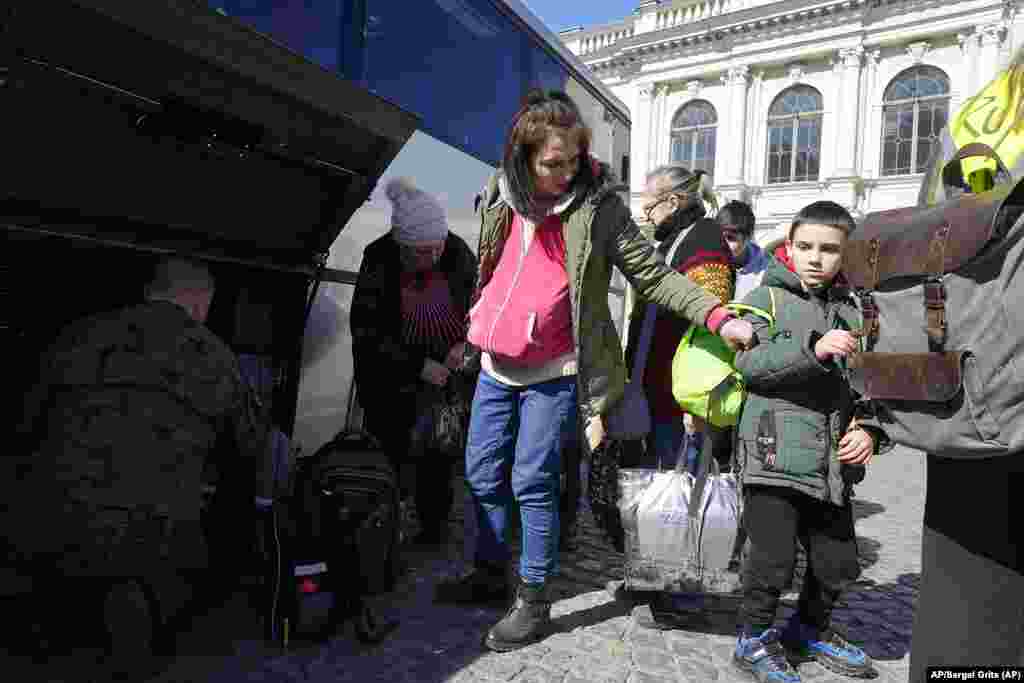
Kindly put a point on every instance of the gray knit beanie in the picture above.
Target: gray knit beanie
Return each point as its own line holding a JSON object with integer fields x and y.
{"x": 416, "y": 217}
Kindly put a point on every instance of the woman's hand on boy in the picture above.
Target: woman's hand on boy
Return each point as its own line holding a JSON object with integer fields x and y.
{"x": 737, "y": 334}
{"x": 835, "y": 343}
{"x": 856, "y": 447}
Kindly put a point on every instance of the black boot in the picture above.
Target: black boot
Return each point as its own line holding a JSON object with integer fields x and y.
{"x": 486, "y": 583}
{"x": 527, "y": 622}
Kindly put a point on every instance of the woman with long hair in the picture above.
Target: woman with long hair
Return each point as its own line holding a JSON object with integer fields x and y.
{"x": 552, "y": 228}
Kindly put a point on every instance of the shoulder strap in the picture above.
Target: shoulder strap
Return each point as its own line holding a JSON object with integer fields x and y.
{"x": 675, "y": 246}
{"x": 650, "y": 313}
{"x": 771, "y": 295}
{"x": 646, "y": 332}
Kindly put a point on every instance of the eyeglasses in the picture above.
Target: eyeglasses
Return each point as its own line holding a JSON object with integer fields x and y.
{"x": 649, "y": 209}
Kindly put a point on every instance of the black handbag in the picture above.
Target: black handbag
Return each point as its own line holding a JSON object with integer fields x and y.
{"x": 442, "y": 423}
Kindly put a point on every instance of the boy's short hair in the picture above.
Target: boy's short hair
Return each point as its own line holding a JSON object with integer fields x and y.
{"x": 738, "y": 215}
{"x": 824, "y": 213}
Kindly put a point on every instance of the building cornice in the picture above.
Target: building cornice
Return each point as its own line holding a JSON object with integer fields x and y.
{"x": 720, "y": 34}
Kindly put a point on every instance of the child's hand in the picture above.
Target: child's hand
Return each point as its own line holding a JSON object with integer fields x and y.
{"x": 835, "y": 343}
{"x": 857, "y": 447}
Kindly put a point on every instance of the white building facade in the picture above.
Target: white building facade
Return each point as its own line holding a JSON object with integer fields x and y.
{"x": 789, "y": 102}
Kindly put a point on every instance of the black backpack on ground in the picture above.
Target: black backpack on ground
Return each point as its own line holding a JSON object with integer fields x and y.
{"x": 340, "y": 539}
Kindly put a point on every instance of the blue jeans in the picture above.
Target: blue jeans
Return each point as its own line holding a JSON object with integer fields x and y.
{"x": 522, "y": 429}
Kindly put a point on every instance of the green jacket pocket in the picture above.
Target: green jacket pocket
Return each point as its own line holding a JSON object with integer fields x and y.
{"x": 793, "y": 442}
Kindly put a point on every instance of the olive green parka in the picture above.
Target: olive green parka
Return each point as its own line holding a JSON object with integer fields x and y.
{"x": 599, "y": 234}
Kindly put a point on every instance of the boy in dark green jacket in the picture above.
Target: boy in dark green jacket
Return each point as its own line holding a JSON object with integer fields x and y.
{"x": 800, "y": 448}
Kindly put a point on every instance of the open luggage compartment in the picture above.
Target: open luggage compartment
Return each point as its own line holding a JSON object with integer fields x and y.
{"x": 134, "y": 130}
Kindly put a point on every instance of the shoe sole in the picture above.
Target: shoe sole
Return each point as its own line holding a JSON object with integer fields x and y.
{"x": 501, "y": 646}
{"x": 746, "y": 668}
{"x": 795, "y": 658}
{"x": 866, "y": 671}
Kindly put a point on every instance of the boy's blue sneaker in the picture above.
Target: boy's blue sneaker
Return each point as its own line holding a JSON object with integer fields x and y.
{"x": 830, "y": 649}
{"x": 765, "y": 658}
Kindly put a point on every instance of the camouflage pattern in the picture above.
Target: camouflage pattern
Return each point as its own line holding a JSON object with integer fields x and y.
{"x": 128, "y": 408}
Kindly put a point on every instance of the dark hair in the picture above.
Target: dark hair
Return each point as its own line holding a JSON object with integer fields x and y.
{"x": 738, "y": 215}
{"x": 824, "y": 213}
{"x": 543, "y": 112}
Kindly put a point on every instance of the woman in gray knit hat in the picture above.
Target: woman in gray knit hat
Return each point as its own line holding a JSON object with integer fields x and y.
{"x": 408, "y": 335}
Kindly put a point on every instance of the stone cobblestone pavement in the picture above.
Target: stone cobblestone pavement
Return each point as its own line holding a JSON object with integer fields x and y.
{"x": 597, "y": 638}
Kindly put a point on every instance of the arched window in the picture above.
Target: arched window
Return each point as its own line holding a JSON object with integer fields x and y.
{"x": 693, "y": 136}
{"x": 915, "y": 110}
{"x": 794, "y": 135}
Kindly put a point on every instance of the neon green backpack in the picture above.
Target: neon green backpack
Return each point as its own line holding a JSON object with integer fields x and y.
{"x": 704, "y": 381}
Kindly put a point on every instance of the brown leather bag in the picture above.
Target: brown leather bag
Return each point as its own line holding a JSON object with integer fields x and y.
{"x": 944, "y": 317}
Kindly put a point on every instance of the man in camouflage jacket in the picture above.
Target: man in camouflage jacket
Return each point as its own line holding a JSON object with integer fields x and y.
{"x": 129, "y": 406}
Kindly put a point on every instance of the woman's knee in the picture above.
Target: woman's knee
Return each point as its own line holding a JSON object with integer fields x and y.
{"x": 538, "y": 489}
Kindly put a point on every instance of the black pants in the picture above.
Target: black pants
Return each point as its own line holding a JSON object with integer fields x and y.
{"x": 427, "y": 476}
{"x": 775, "y": 518}
{"x": 433, "y": 491}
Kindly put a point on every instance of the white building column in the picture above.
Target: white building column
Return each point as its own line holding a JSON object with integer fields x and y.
{"x": 663, "y": 124}
{"x": 758, "y": 116}
{"x": 871, "y": 148}
{"x": 969, "y": 50}
{"x": 653, "y": 127}
{"x": 640, "y": 137}
{"x": 990, "y": 61}
{"x": 736, "y": 79}
{"x": 848, "y": 66}
{"x": 659, "y": 128}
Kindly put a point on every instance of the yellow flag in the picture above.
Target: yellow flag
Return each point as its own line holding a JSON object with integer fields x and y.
{"x": 993, "y": 116}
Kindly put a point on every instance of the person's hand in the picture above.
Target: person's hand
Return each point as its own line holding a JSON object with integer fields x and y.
{"x": 434, "y": 373}
{"x": 594, "y": 432}
{"x": 737, "y": 334}
{"x": 835, "y": 343}
{"x": 455, "y": 356}
{"x": 857, "y": 447}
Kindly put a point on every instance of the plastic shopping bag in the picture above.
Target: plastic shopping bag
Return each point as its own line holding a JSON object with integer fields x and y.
{"x": 680, "y": 530}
